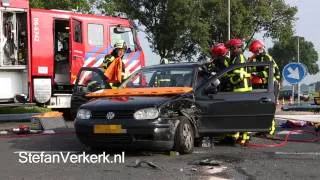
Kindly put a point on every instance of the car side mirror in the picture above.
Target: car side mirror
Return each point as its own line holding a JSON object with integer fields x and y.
{"x": 119, "y": 30}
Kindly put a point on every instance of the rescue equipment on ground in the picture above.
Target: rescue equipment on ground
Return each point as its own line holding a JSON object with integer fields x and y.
{"x": 158, "y": 91}
{"x": 48, "y": 121}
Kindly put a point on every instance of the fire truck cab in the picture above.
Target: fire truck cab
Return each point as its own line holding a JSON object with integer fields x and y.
{"x": 43, "y": 50}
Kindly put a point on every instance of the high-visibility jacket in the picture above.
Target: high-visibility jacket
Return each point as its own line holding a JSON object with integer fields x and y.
{"x": 262, "y": 72}
{"x": 219, "y": 64}
{"x": 239, "y": 77}
{"x": 114, "y": 69}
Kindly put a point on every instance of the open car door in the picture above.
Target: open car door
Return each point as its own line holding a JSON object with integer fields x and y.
{"x": 88, "y": 80}
{"x": 223, "y": 111}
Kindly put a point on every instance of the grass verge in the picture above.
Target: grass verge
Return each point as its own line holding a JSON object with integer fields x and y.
{"x": 24, "y": 109}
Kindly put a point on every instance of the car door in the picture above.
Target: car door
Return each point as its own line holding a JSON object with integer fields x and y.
{"x": 223, "y": 111}
{"x": 88, "y": 80}
{"x": 76, "y": 52}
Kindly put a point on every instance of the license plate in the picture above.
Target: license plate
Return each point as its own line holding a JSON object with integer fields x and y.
{"x": 63, "y": 101}
{"x": 110, "y": 129}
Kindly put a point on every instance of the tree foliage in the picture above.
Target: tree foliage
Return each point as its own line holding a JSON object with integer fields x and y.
{"x": 285, "y": 52}
{"x": 175, "y": 29}
{"x": 272, "y": 17}
{"x": 107, "y": 7}
{"x": 78, "y": 5}
{"x": 180, "y": 28}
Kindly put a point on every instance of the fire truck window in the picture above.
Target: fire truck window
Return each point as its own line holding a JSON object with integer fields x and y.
{"x": 14, "y": 44}
{"x": 77, "y": 31}
{"x": 95, "y": 34}
{"x": 126, "y": 35}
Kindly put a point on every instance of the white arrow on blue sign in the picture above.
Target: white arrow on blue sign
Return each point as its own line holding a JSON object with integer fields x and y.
{"x": 294, "y": 73}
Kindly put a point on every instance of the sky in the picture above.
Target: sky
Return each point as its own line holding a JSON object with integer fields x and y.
{"x": 307, "y": 26}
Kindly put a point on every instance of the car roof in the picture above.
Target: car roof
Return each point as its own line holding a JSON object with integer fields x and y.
{"x": 175, "y": 65}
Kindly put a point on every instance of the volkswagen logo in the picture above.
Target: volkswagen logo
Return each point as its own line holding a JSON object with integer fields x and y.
{"x": 110, "y": 115}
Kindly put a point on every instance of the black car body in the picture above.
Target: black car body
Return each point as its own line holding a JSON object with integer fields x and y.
{"x": 175, "y": 121}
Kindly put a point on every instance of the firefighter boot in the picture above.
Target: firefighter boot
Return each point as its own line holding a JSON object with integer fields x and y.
{"x": 235, "y": 136}
{"x": 244, "y": 138}
{"x": 272, "y": 129}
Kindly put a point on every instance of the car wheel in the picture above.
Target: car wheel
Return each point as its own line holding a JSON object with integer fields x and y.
{"x": 184, "y": 137}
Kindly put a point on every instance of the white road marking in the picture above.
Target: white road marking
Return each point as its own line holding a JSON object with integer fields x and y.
{"x": 310, "y": 118}
{"x": 287, "y": 132}
{"x": 298, "y": 153}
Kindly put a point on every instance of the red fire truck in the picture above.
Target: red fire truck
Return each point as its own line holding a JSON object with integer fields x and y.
{"x": 42, "y": 51}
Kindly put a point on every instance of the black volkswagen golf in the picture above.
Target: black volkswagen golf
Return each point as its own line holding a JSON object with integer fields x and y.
{"x": 166, "y": 107}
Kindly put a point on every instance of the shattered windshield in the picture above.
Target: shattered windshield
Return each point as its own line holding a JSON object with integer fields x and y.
{"x": 160, "y": 77}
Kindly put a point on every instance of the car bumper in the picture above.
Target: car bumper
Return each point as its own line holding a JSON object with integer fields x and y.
{"x": 138, "y": 135}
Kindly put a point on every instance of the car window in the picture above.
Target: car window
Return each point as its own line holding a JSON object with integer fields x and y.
{"x": 244, "y": 79}
{"x": 127, "y": 36}
{"x": 90, "y": 81}
{"x": 162, "y": 77}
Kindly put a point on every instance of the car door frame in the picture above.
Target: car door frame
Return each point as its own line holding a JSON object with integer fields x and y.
{"x": 255, "y": 115}
{"x": 79, "y": 97}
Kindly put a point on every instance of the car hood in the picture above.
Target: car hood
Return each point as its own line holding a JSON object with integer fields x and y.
{"x": 125, "y": 103}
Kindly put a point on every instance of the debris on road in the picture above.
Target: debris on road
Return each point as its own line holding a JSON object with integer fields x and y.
{"x": 207, "y": 162}
{"x": 139, "y": 163}
{"x": 174, "y": 154}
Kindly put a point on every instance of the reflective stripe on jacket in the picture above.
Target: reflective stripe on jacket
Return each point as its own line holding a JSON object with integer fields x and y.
{"x": 240, "y": 78}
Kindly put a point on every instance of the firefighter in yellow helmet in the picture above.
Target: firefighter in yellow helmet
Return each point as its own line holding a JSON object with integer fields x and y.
{"x": 114, "y": 68}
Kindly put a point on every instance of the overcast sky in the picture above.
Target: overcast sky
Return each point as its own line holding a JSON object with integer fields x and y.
{"x": 307, "y": 25}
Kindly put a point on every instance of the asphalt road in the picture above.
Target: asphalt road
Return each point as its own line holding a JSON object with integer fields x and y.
{"x": 295, "y": 160}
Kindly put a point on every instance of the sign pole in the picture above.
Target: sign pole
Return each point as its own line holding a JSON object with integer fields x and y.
{"x": 298, "y": 82}
{"x": 292, "y": 93}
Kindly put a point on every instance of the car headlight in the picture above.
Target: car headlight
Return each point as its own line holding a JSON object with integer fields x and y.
{"x": 147, "y": 113}
{"x": 83, "y": 114}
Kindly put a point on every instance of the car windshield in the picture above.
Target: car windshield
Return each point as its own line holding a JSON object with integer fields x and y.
{"x": 160, "y": 77}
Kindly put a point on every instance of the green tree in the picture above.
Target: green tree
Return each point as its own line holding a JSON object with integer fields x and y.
{"x": 274, "y": 18}
{"x": 285, "y": 52}
{"x": 174, "y": 28}
{"x": 85, "y": 6}
{"x": 178, "y": 28}
{"x": 78, "y": 5}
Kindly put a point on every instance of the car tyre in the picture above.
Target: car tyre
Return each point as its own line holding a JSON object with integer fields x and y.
{"x": 184, "y": 137}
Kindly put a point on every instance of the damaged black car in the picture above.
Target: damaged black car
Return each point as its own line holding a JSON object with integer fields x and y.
{"x": 166, "y": 107}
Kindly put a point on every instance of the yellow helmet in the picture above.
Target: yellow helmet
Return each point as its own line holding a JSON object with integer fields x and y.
{"x": 120, "y": 44}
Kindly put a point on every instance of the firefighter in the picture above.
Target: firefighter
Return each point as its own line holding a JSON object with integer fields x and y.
{"x": 239, "y": 78}
{"x": 220, "y": 61}
{"x": 260, "y": 55}
{"x": 260, "y": 77}
{"x": 114, "y": 68}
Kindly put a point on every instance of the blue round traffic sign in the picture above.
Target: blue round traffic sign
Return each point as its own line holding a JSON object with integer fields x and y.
{"x": 294, "y": 73}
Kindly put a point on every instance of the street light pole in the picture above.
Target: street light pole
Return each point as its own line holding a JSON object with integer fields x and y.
{"x": 229, "y": 34}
